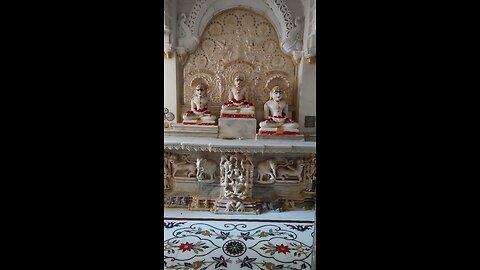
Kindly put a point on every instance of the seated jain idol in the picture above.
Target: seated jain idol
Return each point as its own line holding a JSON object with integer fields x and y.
{"x": 238, "y": 106}
{"x": 275, "y": 113}
{"x": 198, "y": 113}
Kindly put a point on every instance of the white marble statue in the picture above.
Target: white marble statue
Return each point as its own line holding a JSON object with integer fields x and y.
{"x": 198, "y": 113}
{"x": 275, "y": 112}
{"x": 238, "y": 105}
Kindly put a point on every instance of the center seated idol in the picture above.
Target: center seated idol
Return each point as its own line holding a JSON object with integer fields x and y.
{"x": 237, "y": 116}
{"x": 238, "y": 105}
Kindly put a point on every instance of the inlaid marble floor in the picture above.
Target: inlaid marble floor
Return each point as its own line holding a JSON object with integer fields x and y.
{"x": 200, "y": 240}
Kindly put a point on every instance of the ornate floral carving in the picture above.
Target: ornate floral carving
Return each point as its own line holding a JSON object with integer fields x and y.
{"x": 282, "y": 8}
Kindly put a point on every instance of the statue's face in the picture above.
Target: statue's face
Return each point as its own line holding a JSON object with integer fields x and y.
{"x": 237, "y": 81}
{"x": 277, "y": 95}
{"x": 200, "y": 91}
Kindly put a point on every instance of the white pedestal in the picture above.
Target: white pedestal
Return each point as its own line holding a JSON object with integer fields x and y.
{"x": 237, "y": 128}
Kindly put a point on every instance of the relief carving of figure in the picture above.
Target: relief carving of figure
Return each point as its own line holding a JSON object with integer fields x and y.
{"x": 275, "y": 113}
{"x": 234, "y": 186}
{"x": 198, "y": 113}
{"x": 310, "y": 171}
{"x": 205, "y": 167}
{"x": 188, "y": 168}
{"x": 186, "y": 38}
{"x": 238, "y": 105}
{"x": 166, "y": 173}
{"x": 294, "y": 39}
{"x": 183, "y": 201}
{"x": 206, "y": 204}
{"x": 234, "y": 206}
{"x": 289, "y": 172}
{"x": 267, "y": 168}
{"x": 229, "y": 206}
{"x": 312, "y": 182}
{"x": 239, "y": 207}
{"x": 219, "y": 84}
{"x": 194, "y": 203}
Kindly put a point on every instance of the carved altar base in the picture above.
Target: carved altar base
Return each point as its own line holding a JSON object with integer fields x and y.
{"x": 239, "y": 177}
{"x": 191, "y": 131}
{"x": 237, "y": 128}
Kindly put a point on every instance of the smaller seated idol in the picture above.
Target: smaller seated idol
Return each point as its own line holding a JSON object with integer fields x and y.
{"x": 238, "y": 106}
{"x": 199, "y": 114}
{"x": 275, "y": 112}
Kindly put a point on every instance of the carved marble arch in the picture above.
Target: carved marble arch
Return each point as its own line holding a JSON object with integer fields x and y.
{"x": 241, "y": 42}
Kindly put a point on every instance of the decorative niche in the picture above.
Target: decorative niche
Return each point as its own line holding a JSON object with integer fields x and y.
{"x": 239, "y": 42}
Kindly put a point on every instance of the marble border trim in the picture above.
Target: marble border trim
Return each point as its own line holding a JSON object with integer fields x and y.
{"x": 239, "y": 146}
{"x": 241, "y": 220}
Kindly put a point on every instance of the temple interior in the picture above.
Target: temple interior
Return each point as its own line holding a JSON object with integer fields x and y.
{"x": 240, "y": 132}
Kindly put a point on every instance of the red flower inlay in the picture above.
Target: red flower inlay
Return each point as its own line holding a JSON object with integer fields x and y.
{"x": 282, "y": 249}
{"x": 185, "y": 247}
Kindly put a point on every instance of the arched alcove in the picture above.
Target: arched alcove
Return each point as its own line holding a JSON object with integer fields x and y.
{"x": 239, "y": 41}
{"x": 278, "y": 12}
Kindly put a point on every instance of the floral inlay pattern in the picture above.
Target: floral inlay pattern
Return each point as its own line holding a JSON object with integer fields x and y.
{"x": 245, "y": 245}
{"x": 234, "y": 248}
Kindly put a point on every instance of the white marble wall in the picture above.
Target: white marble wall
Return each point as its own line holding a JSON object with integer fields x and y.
{"x": 170, "y": 85}
{"x": 307, "y": 93}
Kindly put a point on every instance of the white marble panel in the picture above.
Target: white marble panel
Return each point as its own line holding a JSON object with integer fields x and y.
{"x": 237, "y": 128}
